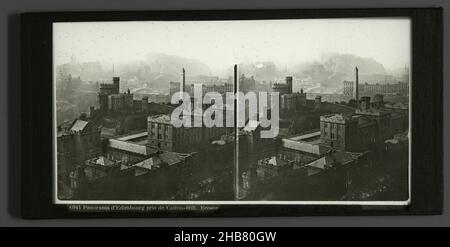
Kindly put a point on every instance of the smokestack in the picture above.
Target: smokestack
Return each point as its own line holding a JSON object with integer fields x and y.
{"x": 355, "y": 86}
{"x": 184, "y": 80}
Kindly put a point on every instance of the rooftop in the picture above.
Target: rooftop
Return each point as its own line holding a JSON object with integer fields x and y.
{"x": 108, "y": 85}
{"x": 79, "y": 125}
{"x": 313, "y": 147}
{"x": 274, "y": 161}
{"x": 334, "y": 158}
{"x": 160, "y": 119}
{"x": 335, "y": 118}
{"x": 133, "y": 137}
{"x": 372, "y": 111}
{"x": 102, "y": 161}
{"x": 155, "y": 162}
{"x": 172, "y": 158}
{"x": 364, "y": 121}
{"x": 150, "y": 163}
{"x": 137, "y": 147}
{"x": 305, "y": 137}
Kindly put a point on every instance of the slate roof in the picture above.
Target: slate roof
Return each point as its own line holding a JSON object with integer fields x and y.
{"x": 307, "y": 147}
{"x": 333, "y": 159}
{"x": 149, "y": 163}
{"x": 79, "y": 125}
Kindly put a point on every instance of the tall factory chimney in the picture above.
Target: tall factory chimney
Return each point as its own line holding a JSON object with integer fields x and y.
{"x": 184, "y": 81}
{"x": 355, "y": 86}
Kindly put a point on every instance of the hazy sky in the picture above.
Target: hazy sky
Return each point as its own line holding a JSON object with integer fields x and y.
{"x": 219, "y": 44}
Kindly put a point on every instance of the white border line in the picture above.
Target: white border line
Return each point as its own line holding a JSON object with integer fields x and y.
{"x": 368, "y": 203}
{"x": 57, "y": 201}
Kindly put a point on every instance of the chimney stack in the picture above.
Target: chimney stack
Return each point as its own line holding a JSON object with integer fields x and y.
{"x": 184, "y": 81}
{"x": 356, "y": 85}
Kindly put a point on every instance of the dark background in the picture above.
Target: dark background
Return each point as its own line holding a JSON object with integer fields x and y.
{"x": 9, "y": 87}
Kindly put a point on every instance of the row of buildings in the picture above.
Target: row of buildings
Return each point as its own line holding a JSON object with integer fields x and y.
{"x": 175, "y": 87}
{"x": 246, "y": 84}
{"x": 162, "y": 156}
{"x": 366, "y": 89}
{"x": 112, "y": 101}
{"x": 289, "y": 100}
{"x": 88, "y": 163}
{"x": 294, "y": 101}
{"x": 336, "y": 152}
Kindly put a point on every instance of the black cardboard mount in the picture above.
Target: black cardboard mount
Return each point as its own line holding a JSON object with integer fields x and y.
{"x": 426, "y": 119}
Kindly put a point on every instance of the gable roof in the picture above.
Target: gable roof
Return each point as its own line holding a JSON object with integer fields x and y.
{"x": 333, "y": 159}
{"x": 171, "y": 158}
{"x": 306, "y": 147}
{"x": 79, "y": 125}
{"x": 149, "y": 163}
{"x": 104, "y": 161}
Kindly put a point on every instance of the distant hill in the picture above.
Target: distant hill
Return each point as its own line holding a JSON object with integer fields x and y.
{"x": 157, "y": 70}
{"x": 333, "y": 68}
{"x": 167, "y": 68}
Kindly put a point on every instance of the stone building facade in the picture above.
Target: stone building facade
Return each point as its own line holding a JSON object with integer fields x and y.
{"x": 361, "y": 131}
{"x": 75, "y": 144}
{"x": 111, "y": 100}
{"x": 339, "y": 131}
{"x": 163, "y": 135}
{"x": 293, "y": 101}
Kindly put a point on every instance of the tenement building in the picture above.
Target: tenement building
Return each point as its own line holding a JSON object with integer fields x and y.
{"x": 382, "y": 117}
{"x": 367, "y": 127}
{"x": 163, "y": 135}
{"x": 339, "y": 131}
{"x": 77, "y": 143}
